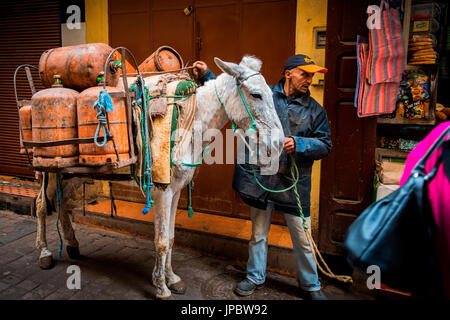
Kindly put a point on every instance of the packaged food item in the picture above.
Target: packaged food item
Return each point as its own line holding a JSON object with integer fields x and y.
{"x": 414, "y": 110}
{"x": 400, "y": 110}
{"x": 427, "y": 38}
{"x": 420, "y": 51}
{"x": 420, "y": 92}
{"x": 421, "y": 88}
{"x": 425, "y": 11}
{"x": 425, "y": 25}
{"x": 389, "y": 143}
{"x": 413, "y": 96}
{"x": 407, "y": 144}
{"x": 426, "y": 107}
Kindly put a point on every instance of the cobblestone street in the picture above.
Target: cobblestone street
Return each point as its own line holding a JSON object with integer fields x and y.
{"x": 117, "y": 266}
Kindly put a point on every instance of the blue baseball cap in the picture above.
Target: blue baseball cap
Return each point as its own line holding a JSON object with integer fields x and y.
{"x": 304, "y": 63}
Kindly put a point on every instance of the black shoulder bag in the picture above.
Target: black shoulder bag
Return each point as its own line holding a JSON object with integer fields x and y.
{"x": 397, "y": 234}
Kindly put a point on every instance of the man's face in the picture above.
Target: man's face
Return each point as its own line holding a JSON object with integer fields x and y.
{"x": 300, "y": 80}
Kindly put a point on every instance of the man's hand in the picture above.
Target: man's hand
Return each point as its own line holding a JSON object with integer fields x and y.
{"x": 289, "y": 145}
{"x": 200, "y": 68}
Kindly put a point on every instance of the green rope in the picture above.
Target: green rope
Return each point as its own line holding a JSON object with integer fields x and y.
{"x": 149, "y": 97}
{"x": 205, "y": 152}
{"x": 190, "y": 210}
{"x": 183, "y": 91}
{"x": 295, "y": 176}
{"x": 251, "y": 130}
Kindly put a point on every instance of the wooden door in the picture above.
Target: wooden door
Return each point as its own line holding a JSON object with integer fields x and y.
{"x": 227, "y": 29}
{"x": 347, "y": 173}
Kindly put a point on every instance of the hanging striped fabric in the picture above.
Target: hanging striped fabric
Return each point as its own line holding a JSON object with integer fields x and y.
{"x": 387, "y": 52}
{"x": 381, "y": 62}
{"x": 373, "y": 99}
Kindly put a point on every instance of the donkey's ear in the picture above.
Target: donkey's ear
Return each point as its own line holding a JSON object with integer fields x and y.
{"x": 252, "y": 63}
{"x": 228, "y": 67}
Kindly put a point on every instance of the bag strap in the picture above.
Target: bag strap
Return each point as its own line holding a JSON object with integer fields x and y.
{"x": 446, "y": 157}
{"x": 420, "y": 166}
{"x": 384, "y": 3}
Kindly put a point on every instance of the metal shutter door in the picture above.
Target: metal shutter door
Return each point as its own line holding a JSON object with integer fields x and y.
{"x": 27, "y": 28}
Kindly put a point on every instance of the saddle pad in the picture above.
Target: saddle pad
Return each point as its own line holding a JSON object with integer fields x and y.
{"x": 160, "y": 143}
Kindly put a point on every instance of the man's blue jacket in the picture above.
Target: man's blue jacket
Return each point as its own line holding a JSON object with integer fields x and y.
{"x": 304, "y": 120}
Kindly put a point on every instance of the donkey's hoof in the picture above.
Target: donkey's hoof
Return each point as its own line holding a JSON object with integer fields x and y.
{"x": 178, "y": 287}
{"x": 46, "y": 262}
{"x": 45, "y": 259}
{"x": 73, "y": 252}
{"x": 165, "y": 298}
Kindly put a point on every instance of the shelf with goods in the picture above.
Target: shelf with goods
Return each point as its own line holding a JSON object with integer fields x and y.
{"x": 423, "y": 42}
{"x": 395, "y": 141}
{"x": 418, "y": 97}
{"x": 429, "y": 105}
{"x": 416, "y": 112}
{"x": 384, "y": 153}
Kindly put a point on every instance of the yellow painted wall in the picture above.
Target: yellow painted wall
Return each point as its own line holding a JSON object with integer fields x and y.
{"x": 97, "y": 31}
{"x": 96, "y": 21}
{"x": 312, "y": 14}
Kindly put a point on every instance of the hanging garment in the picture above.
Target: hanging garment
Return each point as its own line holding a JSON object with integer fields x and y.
{"x": 387, "y": 54}
{"x": 381, "y": 62}
{"x": 373, "y": 99}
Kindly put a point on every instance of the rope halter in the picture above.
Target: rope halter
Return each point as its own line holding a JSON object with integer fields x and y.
{"x": 239, "y": 82}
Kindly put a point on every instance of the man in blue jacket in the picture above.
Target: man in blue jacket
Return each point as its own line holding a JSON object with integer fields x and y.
{"x": 307, "y": 133}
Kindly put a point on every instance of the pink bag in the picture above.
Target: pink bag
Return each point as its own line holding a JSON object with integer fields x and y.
{"x": 373, "y": 99}
{"x": 381, "y": 62}
{"x": 387, "y": 54}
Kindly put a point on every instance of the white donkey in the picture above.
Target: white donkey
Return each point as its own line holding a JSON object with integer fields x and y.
{"x": 217, "y": 102}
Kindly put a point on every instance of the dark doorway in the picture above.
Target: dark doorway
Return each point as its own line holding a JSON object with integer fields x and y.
{"x": 347, "y": 173}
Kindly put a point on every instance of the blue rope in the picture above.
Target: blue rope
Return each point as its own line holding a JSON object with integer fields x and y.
{"x": 59, "y": 196}
{"x": 102, "y": 105}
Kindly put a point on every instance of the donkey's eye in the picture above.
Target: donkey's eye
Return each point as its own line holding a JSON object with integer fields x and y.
{"x": 256, "y": 95}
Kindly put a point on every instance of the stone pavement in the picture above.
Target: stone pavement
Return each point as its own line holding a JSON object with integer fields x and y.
{"x": 117, "y": 266}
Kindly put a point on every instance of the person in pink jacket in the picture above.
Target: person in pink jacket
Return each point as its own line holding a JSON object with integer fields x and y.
{"x": 438, "y": 193}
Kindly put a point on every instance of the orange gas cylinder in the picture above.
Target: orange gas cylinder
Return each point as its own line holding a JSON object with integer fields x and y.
{"x": 91, "y": 154}
{"x": 78, "y": 65}
{"x": 128, "y": 65}
{"x": 25, "y": 120}
{"x": 54, "y": 117}
{"x": 163, "y": 59}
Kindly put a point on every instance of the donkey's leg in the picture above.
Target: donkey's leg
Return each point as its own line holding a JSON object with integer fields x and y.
{"x": 162, "y": 221}
{"x": 69, "y": 187}
{"x": 45, "y": 258}
{"x": 174, "y": 282}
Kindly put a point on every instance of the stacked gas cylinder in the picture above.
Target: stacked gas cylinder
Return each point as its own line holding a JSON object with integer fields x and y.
{"x": 74, "y": 77}
{"x": 67, "y": 111}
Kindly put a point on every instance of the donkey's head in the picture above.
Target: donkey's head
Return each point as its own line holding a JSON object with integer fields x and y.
{"x": 250, "y": 106}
